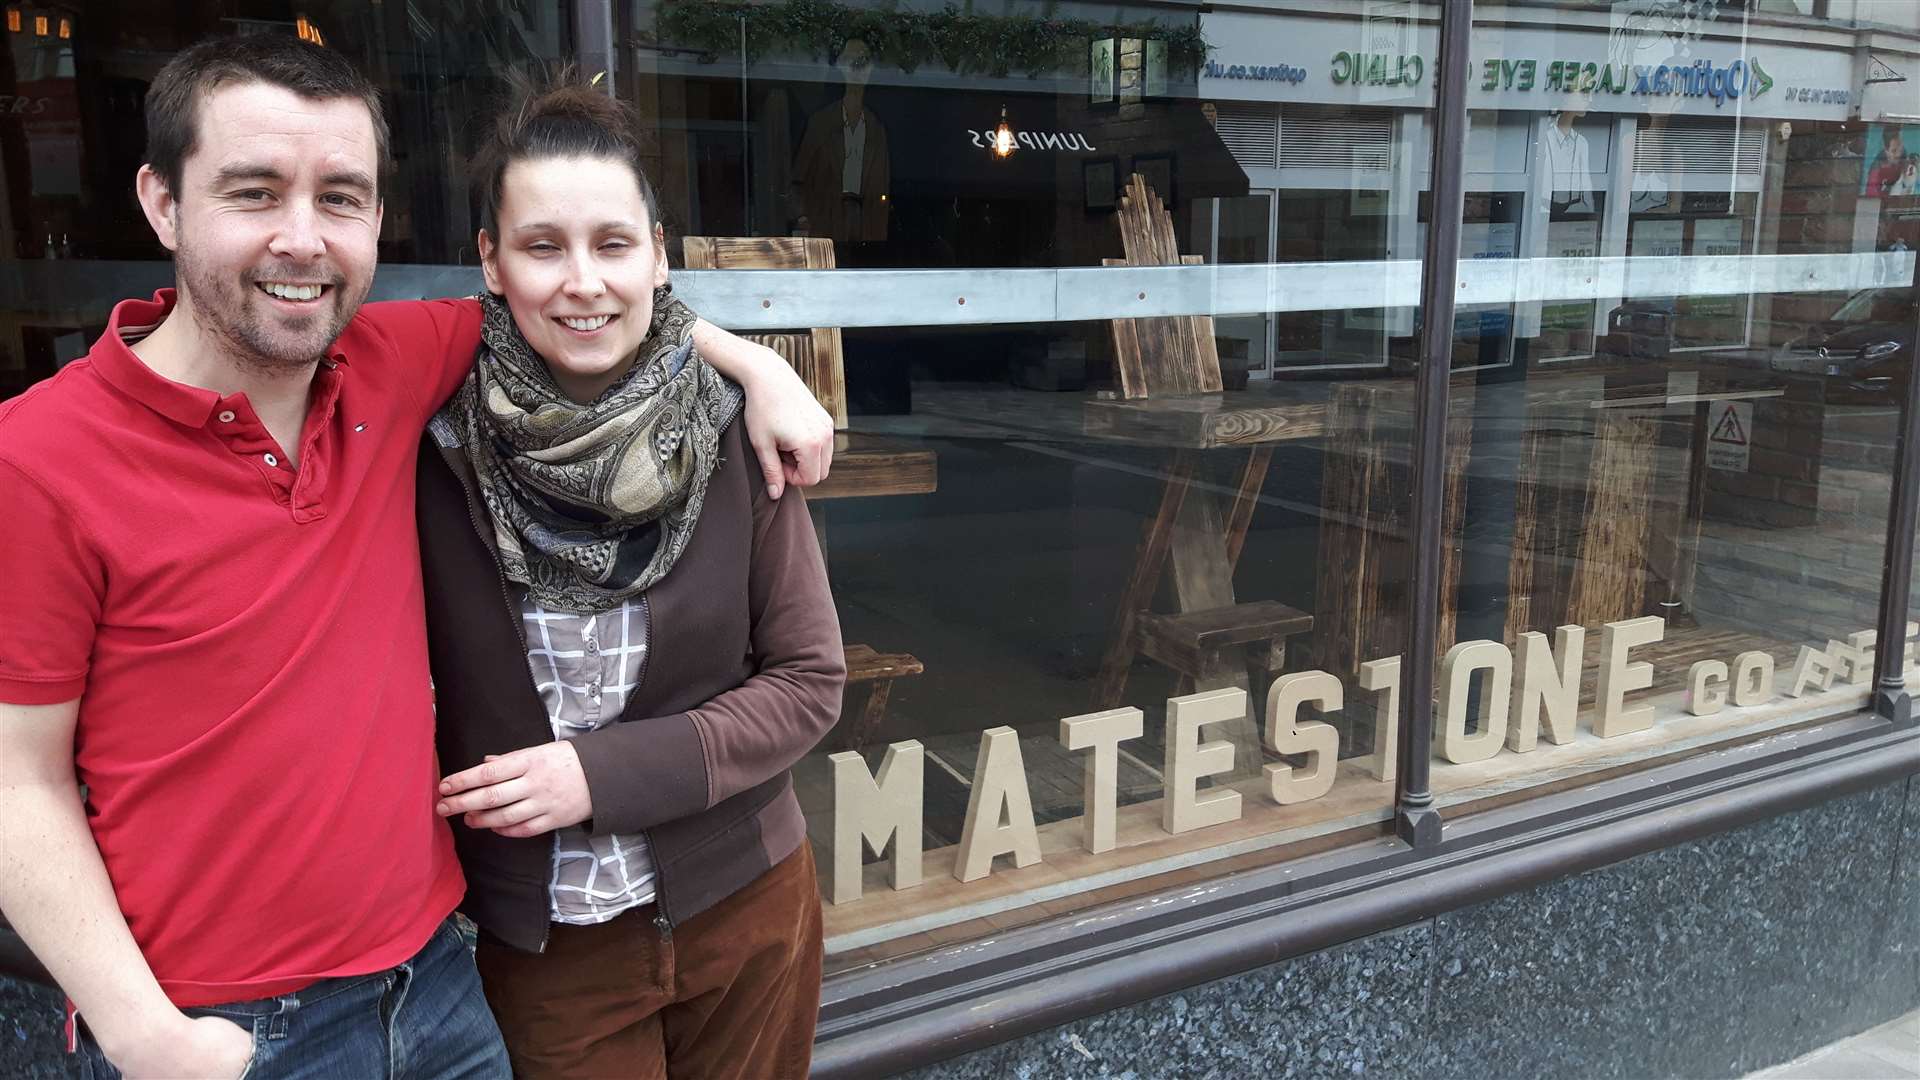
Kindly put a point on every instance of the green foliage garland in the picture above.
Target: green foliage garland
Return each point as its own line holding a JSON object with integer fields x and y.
{"x": 957, "y": 37}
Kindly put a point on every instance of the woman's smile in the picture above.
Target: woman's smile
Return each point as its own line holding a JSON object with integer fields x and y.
{"x": 585, "y": 326}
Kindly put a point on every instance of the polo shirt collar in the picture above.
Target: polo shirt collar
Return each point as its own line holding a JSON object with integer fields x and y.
{"x": 113, "y": 357}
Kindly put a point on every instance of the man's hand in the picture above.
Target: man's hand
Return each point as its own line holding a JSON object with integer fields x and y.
{"x": 528, "y": 792}
{"x": 789, "y": 430}
{"x": 207, "y": 1046}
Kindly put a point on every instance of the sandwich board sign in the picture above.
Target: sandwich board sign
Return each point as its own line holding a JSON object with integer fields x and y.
{"x": 1730, "y": 435}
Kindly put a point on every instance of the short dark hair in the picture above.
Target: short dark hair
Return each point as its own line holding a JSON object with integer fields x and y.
{"x": 565, "y": 118}
{"x": 311, "y": 71}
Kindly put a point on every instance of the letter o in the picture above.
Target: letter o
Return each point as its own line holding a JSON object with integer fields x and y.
{"x": 1752, "y": 679}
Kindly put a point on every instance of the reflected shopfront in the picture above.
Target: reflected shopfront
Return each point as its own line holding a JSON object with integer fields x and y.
{"x": 1121, "y": 529}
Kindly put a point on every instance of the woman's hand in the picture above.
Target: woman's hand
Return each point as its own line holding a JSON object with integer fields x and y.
{"x": 788, "y": 429}
{"x": 528, "y": 792}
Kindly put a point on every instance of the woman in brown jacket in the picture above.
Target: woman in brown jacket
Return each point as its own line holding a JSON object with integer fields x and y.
{"x": 631, "y": 642}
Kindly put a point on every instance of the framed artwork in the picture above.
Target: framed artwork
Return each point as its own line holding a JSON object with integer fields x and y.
{"x": 1103, "y": 70}
{"x": 1153, "y": 69}
{"x": 1101, "y": 178}
{"x": 1157, "y": 169}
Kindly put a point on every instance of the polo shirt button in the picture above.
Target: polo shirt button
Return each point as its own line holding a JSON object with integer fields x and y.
{"x": 226, "y": 416}
{"x": 272, "y": 462}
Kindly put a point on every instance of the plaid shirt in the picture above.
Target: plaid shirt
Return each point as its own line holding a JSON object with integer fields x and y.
{"x": 584, "y": 666}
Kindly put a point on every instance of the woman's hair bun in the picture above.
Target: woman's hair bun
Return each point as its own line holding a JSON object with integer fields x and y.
{"x": 559, "y": 115}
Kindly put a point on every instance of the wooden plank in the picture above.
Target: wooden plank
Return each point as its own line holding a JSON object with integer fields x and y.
{"x": 1197, "y": 556}
{"x": 815, "y": 353}
{"x": 1159, "y": 357}
{"x": 1142, "y": 582}
{"x": 1240, "y": 418}
{"x": 1365, "y": 528}
{"x": 869, "y": 465}
{"x": 865, "y": 665}
{"x": 1245, "y": 497}
{"x": 1611, "y": 580}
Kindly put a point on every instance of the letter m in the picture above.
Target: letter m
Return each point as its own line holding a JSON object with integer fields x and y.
{"x": 875, "y": 810}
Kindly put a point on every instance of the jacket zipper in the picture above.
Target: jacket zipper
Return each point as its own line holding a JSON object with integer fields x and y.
{"x": 661, "y": 920}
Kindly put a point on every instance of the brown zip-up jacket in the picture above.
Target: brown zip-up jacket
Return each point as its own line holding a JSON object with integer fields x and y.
{"x": 743, "y": 676}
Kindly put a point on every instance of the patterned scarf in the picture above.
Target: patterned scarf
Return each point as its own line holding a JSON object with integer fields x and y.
{"x": 591, "y": 504}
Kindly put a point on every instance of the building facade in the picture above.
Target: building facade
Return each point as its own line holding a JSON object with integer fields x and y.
{"x": 1251, "y": 671}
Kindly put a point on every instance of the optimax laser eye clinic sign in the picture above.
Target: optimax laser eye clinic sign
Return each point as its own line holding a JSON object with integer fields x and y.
{"x": 1637, "y": 67}
{"x": 1531, "y": 693}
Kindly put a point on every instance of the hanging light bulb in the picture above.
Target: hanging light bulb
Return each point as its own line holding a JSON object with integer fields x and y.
{"x": 1003, "y": 136}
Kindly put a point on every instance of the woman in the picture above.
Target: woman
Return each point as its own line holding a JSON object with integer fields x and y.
{"x": 591, "y": 516}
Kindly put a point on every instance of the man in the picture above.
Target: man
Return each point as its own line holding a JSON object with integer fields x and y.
{"x": 843, "y": 169}
{"x": 214, "y": 613}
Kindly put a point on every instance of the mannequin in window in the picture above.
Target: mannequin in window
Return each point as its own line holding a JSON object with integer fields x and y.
{"x": 841, "y": 173}
{"x": 1563, "y": 171}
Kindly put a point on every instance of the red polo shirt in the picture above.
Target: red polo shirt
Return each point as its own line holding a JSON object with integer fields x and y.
{"x": 248, "y": 646}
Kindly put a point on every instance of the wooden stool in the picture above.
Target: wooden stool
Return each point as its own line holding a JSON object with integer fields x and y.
{"x": 1199, "y": 644}
{"x": 878, "y": 669}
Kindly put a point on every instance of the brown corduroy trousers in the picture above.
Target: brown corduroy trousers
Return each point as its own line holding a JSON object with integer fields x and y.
{"x": 732, "y": 992}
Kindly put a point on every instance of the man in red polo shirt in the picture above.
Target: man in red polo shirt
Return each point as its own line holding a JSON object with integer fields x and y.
{"x": 213, "y": 614}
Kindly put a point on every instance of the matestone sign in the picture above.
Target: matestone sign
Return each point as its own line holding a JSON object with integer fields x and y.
{"x": 1543, "y": 700}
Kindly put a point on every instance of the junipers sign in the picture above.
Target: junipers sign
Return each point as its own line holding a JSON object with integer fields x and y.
{"x": 1541, "y": 682}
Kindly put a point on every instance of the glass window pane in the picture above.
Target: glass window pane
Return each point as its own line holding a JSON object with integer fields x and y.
{"x": 1122, "y": 537}
{"x": 1678, "y": 452}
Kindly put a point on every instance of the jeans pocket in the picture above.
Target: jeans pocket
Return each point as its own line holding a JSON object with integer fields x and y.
{"x": 254, "y": 1025}
{"x": 468, "y": 930}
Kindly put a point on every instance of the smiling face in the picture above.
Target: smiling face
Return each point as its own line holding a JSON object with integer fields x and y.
{"x": 276, "y": 225}
{"x": 577, "y": 260}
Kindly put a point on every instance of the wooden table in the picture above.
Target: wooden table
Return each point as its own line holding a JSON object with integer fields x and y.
{"x": 1210, "y": 637}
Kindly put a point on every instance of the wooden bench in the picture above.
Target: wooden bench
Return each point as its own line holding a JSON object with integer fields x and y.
{"x": 864, "y": 466}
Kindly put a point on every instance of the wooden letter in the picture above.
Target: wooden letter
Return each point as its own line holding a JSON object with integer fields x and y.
{"x": 1457, "y": 672}
{"x": 1707, "y": 687}
{"x": 874, "y": 810}
{"x": 1384, "y": 762}
{"x": 1189, "y": 759}
{"x": 1101, "y": 732}
{"x": 1549, "y": 682}
{"x": 1618, "y": 678}
{"x": 1752, "y": 678}
{"x": 1812, "y": 670}
{"x": 1852, "y": 665}
{"x": 999, "y": 794}
{"x": 1320, "y": 742}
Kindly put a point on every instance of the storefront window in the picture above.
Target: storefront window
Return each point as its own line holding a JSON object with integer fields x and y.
{"x": 1679, "y": 464}
{"x": 1133, "y": 620}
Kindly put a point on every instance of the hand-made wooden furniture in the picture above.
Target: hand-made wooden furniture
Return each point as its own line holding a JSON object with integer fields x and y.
{"x": 1169, "y": 375}
{"x": 1609, "y": 495}
{"x": 863, "y": 466}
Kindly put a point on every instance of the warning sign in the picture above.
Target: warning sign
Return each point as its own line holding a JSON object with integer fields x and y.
{"x": 1729, "y": 435}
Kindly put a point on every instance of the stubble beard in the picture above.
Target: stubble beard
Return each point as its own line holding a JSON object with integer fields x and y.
{"x": 232, "y": 310}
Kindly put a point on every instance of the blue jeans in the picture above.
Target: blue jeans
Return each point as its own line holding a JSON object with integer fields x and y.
{"x": 424, "y": 1018}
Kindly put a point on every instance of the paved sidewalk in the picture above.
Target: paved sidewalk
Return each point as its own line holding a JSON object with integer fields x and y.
{"x": 1888, "y": 1052}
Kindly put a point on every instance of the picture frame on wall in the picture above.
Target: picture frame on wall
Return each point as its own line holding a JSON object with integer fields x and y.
{"x": 1153, "y": 70}
{"x": 1157, "y": 170}
{"x": 1101, "y": 179}
{"x": 1103, "y": 71}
